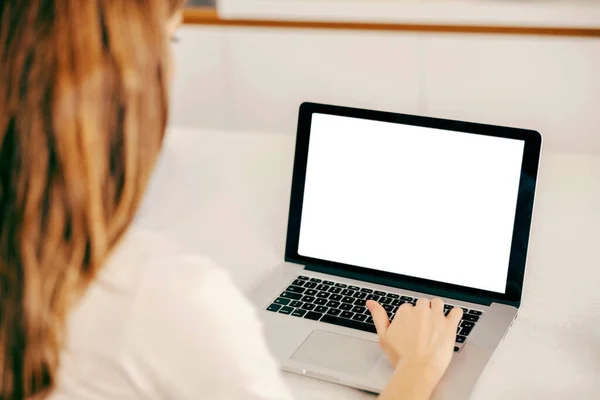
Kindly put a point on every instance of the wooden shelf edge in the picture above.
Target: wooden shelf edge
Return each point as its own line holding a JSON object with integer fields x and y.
{"x": 209, "y": 16}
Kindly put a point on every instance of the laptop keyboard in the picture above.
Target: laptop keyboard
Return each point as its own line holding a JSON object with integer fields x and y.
{"x": 345, "y": 305}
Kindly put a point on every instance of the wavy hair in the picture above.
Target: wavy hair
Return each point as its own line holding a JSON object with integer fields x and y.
{"x": 83, "y": 109}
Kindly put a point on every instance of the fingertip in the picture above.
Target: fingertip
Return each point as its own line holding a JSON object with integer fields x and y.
{"x": 379, "y": 316}
{"x": 423, "y": 302}
{"x": 455, "y": 314}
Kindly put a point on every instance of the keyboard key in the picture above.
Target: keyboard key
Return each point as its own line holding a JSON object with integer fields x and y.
{"x": 470, "y": 317}
{"x": 358, "y": 309}
{"x": 321, "y": 309}
{"x": 286, "y": 310}
{"x": 391, "y": 317}
{"x": 298, "y": 282}
{"x": 330, "y": 319}
{"x": 446, "y": 312}
{"x": 308, "y": 306}
{"x": 456, "y": 349}
{"x": 316, "y": 280}
{"x": 360, "y": 317}
{"x": 457, "y": 329}
{"x": 365, "y": 290}
{"x": 347, "y": 314}
{"x": 295, "y": 289}
{"x": 369, "y": 320}
{"x": 290, "y": 295}
{"x": 448, "y": 307}
{"x": 322, "y": 287}
{"x": 353, "y": 287}
{"x": 308, "y": 299}
{"x": 295, "y": 304}
{"x": 345, "y": 307}
{"x": 475, "y": 312}
{"x": 320, "y": 302}
{"x": 467, "y": 324}
{"x": 299, "y": 313}
{"x": 360, "y": 295}
{"x": 328, "y": 283}
{"x": 311, "y": 292}
{"x": 460, "y": 339}
{"x": 323, "y": 295}
{"x": 313, "y": 315}
{"x": 341, "y": 285}
{"x": 380, "y": 293}
{"x": 361, "y": 303}
{"x": 372, "y": 297}
{"x": 397, "y": 302}
{"x": 336, "y": 297}
{"x": 335, "y": 290}
{"x": 310, "y": 285}
{"x": 333, "y": 311}
{"x": 465, "y": 330}
{"x": 388, "y": 307}
{"x": 304, "y": 278}
{"x": 406, "y": 298}
{"x": 347, "y": 292}
{"x": 348, "y": 300}
{"x": 393, "y": 296}
{"x": 274, "y": 307}
{"x": 334, "y": 304}
{"x": 282, "y": 301}
{"x": 385, "y": 300}
{"x": 465, "y": 310}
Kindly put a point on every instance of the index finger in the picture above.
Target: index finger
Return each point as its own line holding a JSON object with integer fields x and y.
{"x": 455, "y": 315}
{"x": 380, "y": 318}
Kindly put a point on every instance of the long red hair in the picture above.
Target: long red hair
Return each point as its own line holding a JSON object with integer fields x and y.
{"x": 83, "y": 109}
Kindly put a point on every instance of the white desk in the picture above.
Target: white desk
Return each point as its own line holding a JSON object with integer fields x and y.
{"x": 225, "y": 195}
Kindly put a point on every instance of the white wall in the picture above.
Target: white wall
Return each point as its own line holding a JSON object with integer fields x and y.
{"x": 548, "y": 84}
{"x": 255, "y": 79}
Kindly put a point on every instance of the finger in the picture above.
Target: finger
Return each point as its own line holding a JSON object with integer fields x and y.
{"x": 437, "y": 305}
{"x": 423, "y": 302}
{"x": 380, "y": 318}
{"x": 455, "y": 315}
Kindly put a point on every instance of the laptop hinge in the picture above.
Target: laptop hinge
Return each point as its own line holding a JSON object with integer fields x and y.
{"x": 401, "y": 284}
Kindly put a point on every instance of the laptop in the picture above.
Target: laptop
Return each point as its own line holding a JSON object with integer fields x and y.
{"x": 394, "y": 208}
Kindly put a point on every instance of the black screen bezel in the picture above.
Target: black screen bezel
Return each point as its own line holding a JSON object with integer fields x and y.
{"x": 529, "y": 167}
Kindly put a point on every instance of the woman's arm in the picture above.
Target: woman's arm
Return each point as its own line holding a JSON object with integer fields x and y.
{"x": 411, "y": 381}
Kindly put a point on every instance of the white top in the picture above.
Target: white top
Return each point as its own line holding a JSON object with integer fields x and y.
{"x": 158, "y": 324}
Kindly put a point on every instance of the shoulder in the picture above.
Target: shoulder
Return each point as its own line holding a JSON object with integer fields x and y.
{"x": 192, "y": 331}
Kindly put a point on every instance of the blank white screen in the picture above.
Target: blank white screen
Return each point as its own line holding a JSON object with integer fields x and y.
{"x": 421, "y": 202}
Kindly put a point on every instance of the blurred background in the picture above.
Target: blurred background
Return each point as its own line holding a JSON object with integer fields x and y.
{"x": 245, "y": 66}
{"x": 248, "y": 64}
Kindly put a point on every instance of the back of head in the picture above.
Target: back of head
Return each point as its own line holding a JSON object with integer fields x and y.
{"x": 83, "y": 108}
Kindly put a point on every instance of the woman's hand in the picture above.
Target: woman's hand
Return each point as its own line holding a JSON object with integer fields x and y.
{"x": 419, "y": 336}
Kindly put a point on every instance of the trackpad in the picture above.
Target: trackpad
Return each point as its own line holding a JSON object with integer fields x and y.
{"x": 338, "y": 352}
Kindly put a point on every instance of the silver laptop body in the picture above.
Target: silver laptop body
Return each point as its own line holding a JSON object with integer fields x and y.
{"x": 395, "y": 207}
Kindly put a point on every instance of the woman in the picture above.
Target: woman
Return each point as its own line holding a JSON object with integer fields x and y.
{"x": 83, "y": 109}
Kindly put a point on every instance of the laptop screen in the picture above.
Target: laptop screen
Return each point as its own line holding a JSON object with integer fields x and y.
{"x": 416, "y": 201}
